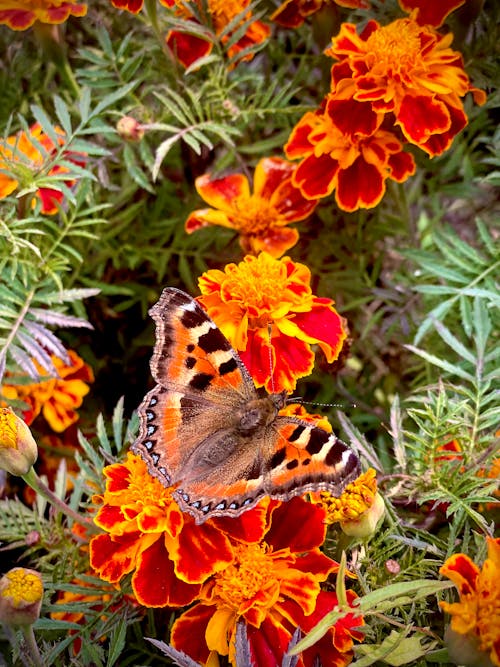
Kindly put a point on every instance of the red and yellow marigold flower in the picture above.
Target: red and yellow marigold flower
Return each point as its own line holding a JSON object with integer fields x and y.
{"x": 407, "y": 70}
{"x": 293, "y": 13}
{"x": 56, "y": 398}
{"x": 273, "y": 587}
{"x": 188, "y": 48}
{"x": 266, "y": 309}
{"x": 19, "y": 154}
{"x": 477, "y": 615}
{"x": 147, "y": 534}
{"x": 298, "y": 410}
{"x": 21, "y": 14}
{"x": 343, "y": 149}
{"x": 260, "y": 217}
{"x": 135, "y": 6}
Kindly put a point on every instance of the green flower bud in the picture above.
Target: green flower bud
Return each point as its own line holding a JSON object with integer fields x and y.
{"x": 18, "y": 449}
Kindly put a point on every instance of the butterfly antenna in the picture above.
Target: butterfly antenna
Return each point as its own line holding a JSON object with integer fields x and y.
{"x": 271, "y": 370}
{"x": 343, "y": 406}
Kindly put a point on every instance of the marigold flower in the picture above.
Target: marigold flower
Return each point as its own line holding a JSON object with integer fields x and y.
{"x": 55, "y": 397}
{"x": 189, "y": 48}
{"x": 266, "y": 309}
{"x": 148, "y": 534}
{"x": 430, "y": 13}
{"x": 19, "y": 153}
{"x": 298, "y": 410}
{"x": 358, "y": 497}
{"x": 21, "y": 593}
{"x": 18, "y": 449}
{"x": 293, "y": 13}
{"x": 21, "y": 14}
{"x": 259, "y": 217}
{"x": 477, "y": 614}
{"x": 273, "y": 587}
{"x": 135, "y": 6}
{"x": 408, "y": 70}
{"x": 343, "y": 148}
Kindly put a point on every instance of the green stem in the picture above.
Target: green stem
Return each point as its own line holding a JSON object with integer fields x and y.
{"x": 32, "y": 646}
{"x": 32, "y": 479}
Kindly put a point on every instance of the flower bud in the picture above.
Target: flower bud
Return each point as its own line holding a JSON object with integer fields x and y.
{"x": 130, "y": 129}
{"x": 18, "y": 449}
{"x": 366, "y": 523}
{"x": 21, "y": 593}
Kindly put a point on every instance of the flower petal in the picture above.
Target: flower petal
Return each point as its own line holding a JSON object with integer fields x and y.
{"x": 221, "y": 193}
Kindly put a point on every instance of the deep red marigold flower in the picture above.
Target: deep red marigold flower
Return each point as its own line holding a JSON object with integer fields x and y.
{"x": 407, "y": 70}
{"x": 273, "y": 587}
{"x": 19, "y": 153}
{"x": 135, "y": 6}
{"x": 266, "y": 309}
{"x": 56, "y": 398}
{"x": 343, "y": 149}
{"x": 430, "y": 13}
{"x": 189, "y": 48}
{"x": 293, "y": 13}
{"x": 259, "y": 217}
{"x": 147, "y": 534}
{"x": 21, "y": 14}
{"x": 477, "y": 615}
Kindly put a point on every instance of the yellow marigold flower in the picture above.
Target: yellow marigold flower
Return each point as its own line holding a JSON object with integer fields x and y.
{"x": 298, "y": 410}
{"x": 477, "y": 614}
{"x": 55, "y": 397}
{"x": 21, "y": 593}
{"x": 18, "y": 450}
{"x": 357, "y": 498}
{"x": 266, "y": 309}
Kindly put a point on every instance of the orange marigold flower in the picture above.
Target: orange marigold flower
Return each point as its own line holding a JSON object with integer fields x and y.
{"x": 55, "y": 397}
{"x": 259, "y": 217}
{"x": 21, "y": 14}
{"x": 273, "y": 587}
{"x": 343, "y": 149}
{"x": 408, "y": 70}
{"x": 266, "y": 309}
{"x": 477, "y": 615}
{"x": 135, "y": 6}
{"x": 293, "y": 13}
{"x": 298, "y": 410}
{"x": 19, "y": 153}
{"x": 430, "y": 13}
{"x": 189, "y": 48}
{"x": 148, "y": 534}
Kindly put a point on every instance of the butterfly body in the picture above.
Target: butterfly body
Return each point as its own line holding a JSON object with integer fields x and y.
{"x": 206, "y": 431}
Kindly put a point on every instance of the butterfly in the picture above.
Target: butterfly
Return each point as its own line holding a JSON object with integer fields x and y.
{"x": 206, "y": 431}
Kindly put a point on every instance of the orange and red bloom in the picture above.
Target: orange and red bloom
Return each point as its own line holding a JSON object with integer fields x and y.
{"x": 254, "y": 568}
{"x": 21, "y": 14}
{"x": 260, "y": 217}
{"x": 293, "y": 13}
{"x": 20, "y": 155}
{"x": 266, "y": 309}
{"x": 406, "y": 70}
{"x": 56, "y": 398}
{"x": 273, "y": 587}
{"x": 188, "y": 48}
{"x": 477, "y": 615}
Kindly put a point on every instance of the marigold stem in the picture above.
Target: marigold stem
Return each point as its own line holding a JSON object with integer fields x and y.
{"x": 31, "y": 645}
{"x": 32, "y": 479}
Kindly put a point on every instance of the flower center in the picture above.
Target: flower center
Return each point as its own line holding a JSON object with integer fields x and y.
{"x": 395, "y": 49}
{"x": 254, "y": 215}
{"x": 251, "y": 573}
{"x": 23, "y": 587}
{"x": 146, "y": 489}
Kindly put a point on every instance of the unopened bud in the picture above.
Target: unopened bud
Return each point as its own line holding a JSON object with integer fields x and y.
{"x": 130, "y": 129}
{"x": 21, "y": 593}
{"x": 366, "y": 523}
{"x": 18, "y": 449}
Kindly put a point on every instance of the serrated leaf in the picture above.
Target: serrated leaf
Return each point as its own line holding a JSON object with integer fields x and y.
{"x": 63, "y": 114}
{"x": 59, "y": 319}
{"x": 113, "y": 97}
{"x": 84, "y": 104}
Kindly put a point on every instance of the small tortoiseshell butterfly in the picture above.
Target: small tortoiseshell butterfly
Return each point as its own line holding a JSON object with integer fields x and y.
{"x": 206, "y": 431}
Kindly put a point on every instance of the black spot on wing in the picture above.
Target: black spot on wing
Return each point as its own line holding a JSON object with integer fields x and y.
{"x": 228, "y": 366}
{"x": 292, "y": 464}
{"x": 201, "y": 381}
{"x": 317, "y": 439}
{"x": 334, "y": 455}
{"x": 213, "y": 341}
{"x": 190, "y": 362}
{"x": 277, "y": 458}
{"x": 190, "y": 347}
{"x": 297, "y": 432}
{"x": 193, "y": 318}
